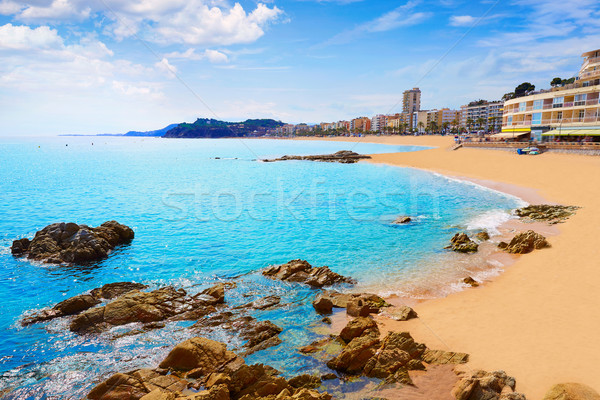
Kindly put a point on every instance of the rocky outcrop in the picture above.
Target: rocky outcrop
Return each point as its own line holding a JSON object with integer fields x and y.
{"x": 258, "y": 335}
{"x": 389, "y": 359}
{"x": 69, "y": 243}
{"x": 82, "y": 302}
{"x": 482, "y": 385}
{"x": 571, "y": 391}
{"x": 461, "y": 243}
{"x": 401, "y": 313}
{"x": 544, "y": 212}
{"x": 524, "y": 242}
{"x": 482, "y": 236}
{"x": 158, "y": 305}
{"x": 402, "y": 220}
{"x": 471, "y": 282}
{"x": 343, "y": 156}
{"x": 203, "y": 369}
{"x": 356, "y": 304}
{"x": 301, "y": 271}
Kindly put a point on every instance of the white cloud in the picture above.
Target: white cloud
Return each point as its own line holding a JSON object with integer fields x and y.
{"x": 164, "y": 66}
{"x": 216, "y": 57}
{"x": 24, "y": 38}
{"x": 462, "y": 20}
{"x": 195, "y": 22}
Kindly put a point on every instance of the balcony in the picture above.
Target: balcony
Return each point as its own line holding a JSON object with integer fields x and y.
{"x": 591, "y": 60}
{"x": 590, "y": 74}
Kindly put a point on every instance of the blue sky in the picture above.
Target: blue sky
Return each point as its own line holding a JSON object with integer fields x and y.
{"x": 109, "y": 66}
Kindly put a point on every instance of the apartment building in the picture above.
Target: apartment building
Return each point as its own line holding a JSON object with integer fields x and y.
{"x": 482, "y": 115}
{"x": 362, "y": 124}
{"x": 378, "y": 123}
{"x": 569, "y": 112}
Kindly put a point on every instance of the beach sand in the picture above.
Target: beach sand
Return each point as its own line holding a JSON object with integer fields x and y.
{"x": 539, "y": 320}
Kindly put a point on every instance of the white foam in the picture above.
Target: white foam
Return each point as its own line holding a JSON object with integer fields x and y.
{"x": 489, "y": 221}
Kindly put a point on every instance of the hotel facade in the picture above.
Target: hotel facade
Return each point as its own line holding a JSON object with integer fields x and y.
{"x": 568, "y": 112}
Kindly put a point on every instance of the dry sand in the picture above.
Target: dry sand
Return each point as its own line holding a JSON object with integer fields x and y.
{"x": 539, "y": 320}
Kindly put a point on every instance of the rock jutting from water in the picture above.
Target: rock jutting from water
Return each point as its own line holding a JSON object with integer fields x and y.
{"x": 402, "y": 220}
{"x": 203, "y": 369}
{"x": 524, "y": 242}
{"x": 69, "y": 243}
{"x": 343, "y": 157}
{"x": 553, "y": 214}
{"x": 301, "y": 271}
{"x": 77, "y": 304}
{"x": 356, "y": 304}
{"x": 461, "y": 243}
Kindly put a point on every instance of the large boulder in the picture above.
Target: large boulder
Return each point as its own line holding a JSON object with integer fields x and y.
{"x": 553, "y": 214}
{"x": 482, "y": 385}
{"x": 148, "y": 307}
{"x": 198, "y": 353}
{"x": 461, "y": 243}
{"x": 342, "y": 156}
{"x": 69, "y": 243}
{"x": 356, "y": 304}
{"x": 359, "y": 327}
{"x": 571, "y": 391}
{"x": 301, "y": 271}
{"x": 77, "y": 304}
{"x": 525, "y": 242}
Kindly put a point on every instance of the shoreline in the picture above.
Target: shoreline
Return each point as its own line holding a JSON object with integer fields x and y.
{"x": 535, "y": 320}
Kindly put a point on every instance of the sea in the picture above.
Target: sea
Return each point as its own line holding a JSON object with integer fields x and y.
{"x": 207, "y": 211}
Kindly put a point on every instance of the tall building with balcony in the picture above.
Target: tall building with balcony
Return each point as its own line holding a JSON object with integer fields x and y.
{"x": 482, "y": 115}
{"x": 569, "y": 112}
{"x": 378, "y": 123}
{"x": 362, "y": 124}
{"x": 411, "y": 103}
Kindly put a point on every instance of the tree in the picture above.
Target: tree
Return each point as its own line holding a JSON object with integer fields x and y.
{"x": 524, "y": 89}
{"x": 434, "y": 127}
{"x": 556, "y": 82}
{"x": 445, "y": 126}
{"x": 469, "y": 124}
{"x": 421, "y": 125}
{"x": 480, "y": 122}
{"x": 508, "y": 96}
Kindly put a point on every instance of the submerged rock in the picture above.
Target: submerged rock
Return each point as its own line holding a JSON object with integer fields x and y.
{"x": 471, "y": 282}
{"x": 301, "y": 271}
{"x": 543, "y": 212}
{"x": 482, "y": 236}
{"x": 72, "y": 244}
{"x": 482, "y": 385}
{"x": 82, "y": 302}
{"x": 402, "y": 220}
{"x": 461, "y": 243}
{"x": 343, "y": 156}
{"x": 158, "y": 305}
{"x": 571, "y": 391}
{"x": 525, "y": 242}
{"x": 200, "y": 363}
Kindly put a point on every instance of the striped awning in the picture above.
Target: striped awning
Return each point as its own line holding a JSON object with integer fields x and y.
{"x": 508, "y": 135}
{"x": 572, "y": 132}
{"x": 520, "y": 130}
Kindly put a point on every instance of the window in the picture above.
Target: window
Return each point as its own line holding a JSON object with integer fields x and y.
{"x": 509, "y": 122}
{"x": 538, "y": 104}
{"x": 557, "y": 102}
{"x": 536, "y": 119}
{"x": 581, "y": 115}
{"x": 559, "y": 116}
{"x": 522, "y": 106}
{"x": 580, "y": 99}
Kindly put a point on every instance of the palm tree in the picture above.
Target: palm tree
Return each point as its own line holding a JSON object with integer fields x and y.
{"x": 434, "y": 127}
{"x": 445, "y": 126}
{"x": 480, "y": 122}
{"x": 469, "y": 124}
{"x": 421, "y": 126}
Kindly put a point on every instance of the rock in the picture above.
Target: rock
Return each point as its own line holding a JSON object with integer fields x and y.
{"x": 302, "y": 271}
{"x": 470, "y": 281}
{"x": 20, "y": 246}
{"x": 70, "y": 243}
{"x": 482, "y": 236}
{"x": 263, "y": 303}
{"x": 360, "y": 326}
{"x": 482, "y": 385}
{"x": 323, "y": 305}
{"x": 343, "y": 156}
{"x": 259, "y": 335}
{"x": 217, "y": 292}
{"x": 571, "y": 391}
{"x": 402, "y": 313}
{"x": 305, "y": 381}
{"x": 355, "y": 355}
{"x": 118, "y": 387}
{"x": 461, "y": 243}
{"x": 136, "y": 306}
{"x": 544, "y": 212}
{"x": 525, "y": 242}
{"x": 392, "y": 359}
{"x": 441, "y": 357}
{"x": 77, "y": 304}
{"x": 116, "y": 289}
{"x": 369, "y": 301}
{"x": 198, "y": 353}
{"x": 402, "y": 220}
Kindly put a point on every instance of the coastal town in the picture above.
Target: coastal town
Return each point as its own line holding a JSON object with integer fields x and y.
{"x": 569, "y": 111}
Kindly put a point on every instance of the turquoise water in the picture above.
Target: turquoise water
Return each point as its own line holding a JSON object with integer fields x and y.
{"x": 199, "y": 219}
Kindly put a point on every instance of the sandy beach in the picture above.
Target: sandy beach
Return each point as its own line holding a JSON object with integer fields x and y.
{"x": 539, "y": 319}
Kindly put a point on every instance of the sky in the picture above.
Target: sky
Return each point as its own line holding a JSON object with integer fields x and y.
{"x": 110, "y": 66}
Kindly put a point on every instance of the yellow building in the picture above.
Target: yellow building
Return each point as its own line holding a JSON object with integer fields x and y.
{"x": 570, "y": 112}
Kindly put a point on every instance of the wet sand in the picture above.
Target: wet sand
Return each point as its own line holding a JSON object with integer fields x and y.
{"x": 539, "y": 319}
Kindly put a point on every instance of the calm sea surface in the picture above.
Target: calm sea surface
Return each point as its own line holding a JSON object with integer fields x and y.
{"x": 204, "y": 211}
